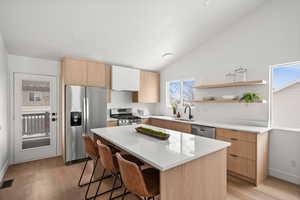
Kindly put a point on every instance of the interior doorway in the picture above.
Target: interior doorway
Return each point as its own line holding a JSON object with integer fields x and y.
{"x": 35, "y": 113}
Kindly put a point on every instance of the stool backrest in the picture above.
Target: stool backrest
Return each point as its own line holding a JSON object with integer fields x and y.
{"x": 106, "y": 157}
{"x": 90, "y": 147}
{"x": 132, "y": 176}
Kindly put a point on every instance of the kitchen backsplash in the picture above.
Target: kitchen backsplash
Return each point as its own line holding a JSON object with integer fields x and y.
{"x": 123, "y": 99}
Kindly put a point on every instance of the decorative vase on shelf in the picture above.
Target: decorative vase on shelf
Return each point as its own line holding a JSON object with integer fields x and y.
{"x": 230, "y": 77}
{"x": 241, "y": 74}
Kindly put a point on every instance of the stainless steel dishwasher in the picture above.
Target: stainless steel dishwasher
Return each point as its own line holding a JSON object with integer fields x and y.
{"x": 204, "y": 131}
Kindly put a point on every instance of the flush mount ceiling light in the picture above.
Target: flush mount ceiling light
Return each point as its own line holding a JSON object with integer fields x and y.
{"x": 167, "y": 55}
{"x": 206, "y": 2}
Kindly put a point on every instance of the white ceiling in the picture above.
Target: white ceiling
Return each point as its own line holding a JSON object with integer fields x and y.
{"x": 128, "y": 32}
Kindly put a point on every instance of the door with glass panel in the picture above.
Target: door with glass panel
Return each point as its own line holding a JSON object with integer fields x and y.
{"x": 35, "y": 113}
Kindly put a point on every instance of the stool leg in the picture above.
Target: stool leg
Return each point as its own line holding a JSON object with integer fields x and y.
{"x": 124, "y": 193}
{"x": 89, "y": 184}
{"x": 113, "y": 187}
{"x": 99, "y": 184}
{"x": 79, "y": 182}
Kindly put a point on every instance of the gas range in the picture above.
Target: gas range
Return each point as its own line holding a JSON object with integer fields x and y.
{"x": 124, "y": 116}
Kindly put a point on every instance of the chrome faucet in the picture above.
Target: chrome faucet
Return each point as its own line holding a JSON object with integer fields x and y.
{"x": 190, "y": 111}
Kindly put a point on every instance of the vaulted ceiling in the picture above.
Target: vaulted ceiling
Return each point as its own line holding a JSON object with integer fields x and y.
{"x": 128, "y": 32}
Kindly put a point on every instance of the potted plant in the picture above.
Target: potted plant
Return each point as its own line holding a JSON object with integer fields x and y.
{"x": 250, "y": 97}
{"x": 174, "y": 108}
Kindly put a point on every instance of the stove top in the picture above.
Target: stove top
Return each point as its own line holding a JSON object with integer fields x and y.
{"x": 129, "y": 116}
{"x": 124, "y": 116}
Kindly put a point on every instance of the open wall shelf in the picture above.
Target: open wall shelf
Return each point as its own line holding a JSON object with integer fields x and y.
{"x": 227, "y": 101}
{"x": 233, "y": 84}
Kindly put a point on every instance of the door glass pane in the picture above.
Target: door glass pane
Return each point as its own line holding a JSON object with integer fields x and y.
{"x": 35, "y": 93}
{"x": 35, "y": 111}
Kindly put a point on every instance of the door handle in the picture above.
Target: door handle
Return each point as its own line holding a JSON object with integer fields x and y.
{"x": 53, "y": 118}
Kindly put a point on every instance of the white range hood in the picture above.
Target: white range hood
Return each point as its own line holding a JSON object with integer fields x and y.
{"x": 125, "y": 79}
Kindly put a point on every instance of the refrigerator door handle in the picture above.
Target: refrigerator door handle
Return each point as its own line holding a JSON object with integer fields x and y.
{"x": 87, "y": 115}
{"x": 84, "y": 117}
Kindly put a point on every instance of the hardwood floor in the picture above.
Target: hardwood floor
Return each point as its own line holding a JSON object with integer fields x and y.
{"x": 50, "y": 179}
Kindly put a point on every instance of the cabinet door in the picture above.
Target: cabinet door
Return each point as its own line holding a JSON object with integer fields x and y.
{"x": 149, "y": 88}
{"x": 75, "y": 72}
{"x": 108, "y": 82}
{"x": 96, "y": 74}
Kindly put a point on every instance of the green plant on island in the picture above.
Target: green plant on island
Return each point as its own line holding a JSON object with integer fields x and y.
{"x": 250, "y": 97}
{"x": 154, "y": 132}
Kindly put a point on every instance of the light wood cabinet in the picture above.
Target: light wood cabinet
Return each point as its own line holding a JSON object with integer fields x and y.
{"x": 74, "y": 71}
{"x": 248, "y": 154}
{"x": 85, "y": 73}
{"x": 96, "y": 74}
{"x": 111, "y": 123}
{"x": 177, "y": 126}
{"x": 149, "y": 88}
{"x": 108, "y": 82}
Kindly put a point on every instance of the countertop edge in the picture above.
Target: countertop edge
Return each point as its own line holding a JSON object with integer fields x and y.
{"x": 217, "y": 125}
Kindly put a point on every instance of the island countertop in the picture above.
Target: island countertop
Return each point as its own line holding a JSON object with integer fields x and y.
{"x": 179, "y": 149}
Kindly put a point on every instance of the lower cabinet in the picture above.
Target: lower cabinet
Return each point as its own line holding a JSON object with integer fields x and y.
{"x": 111, "y": 123}
{"x": 177, "y": 126}
{"x": 248, "y": 155}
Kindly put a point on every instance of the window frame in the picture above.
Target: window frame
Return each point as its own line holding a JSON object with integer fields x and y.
{"x": 181, "y": 92}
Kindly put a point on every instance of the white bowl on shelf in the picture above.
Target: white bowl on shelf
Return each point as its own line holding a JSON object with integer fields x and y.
{"x": 229, "y": 97}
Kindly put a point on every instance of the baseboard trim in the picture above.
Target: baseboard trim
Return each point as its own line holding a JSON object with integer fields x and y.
{"x": 3, "y": 170}
{"x": 284, "y": 176}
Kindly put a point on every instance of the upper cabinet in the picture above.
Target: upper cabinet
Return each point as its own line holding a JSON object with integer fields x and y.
{"x": 125, "y": 79}
{"x": 85, "y": 73}
{"x": 96, "y": 74}
{"x": 74, "y": 71}
{"x": 149, "y": 88}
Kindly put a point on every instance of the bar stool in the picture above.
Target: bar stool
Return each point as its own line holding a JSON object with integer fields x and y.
{"x": 144, "y": 183}
{"x": 110, "y": 163}
{"x": 92, "y": 152}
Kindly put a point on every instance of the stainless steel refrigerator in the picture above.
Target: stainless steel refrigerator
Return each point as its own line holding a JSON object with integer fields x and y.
{"x": 85, "y": 109}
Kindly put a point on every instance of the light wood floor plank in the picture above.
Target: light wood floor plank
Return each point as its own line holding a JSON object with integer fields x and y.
{"x": 50, "y": 179}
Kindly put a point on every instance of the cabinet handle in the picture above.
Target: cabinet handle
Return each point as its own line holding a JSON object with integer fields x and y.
{"x": 233, "y": 155}
{"x": 235, "y": 139}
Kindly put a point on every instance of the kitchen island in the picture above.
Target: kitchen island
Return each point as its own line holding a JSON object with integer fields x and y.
{"x": 191, "y": 167}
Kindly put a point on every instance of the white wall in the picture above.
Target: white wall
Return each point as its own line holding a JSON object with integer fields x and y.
{"x": 120, "y": 99}
{"x": 269, "y": 36}
{"x": 286, "y": 107}
{"x": 21, "y": 64}
{"x": 285, "y": 155}
{"x": 3, "y": 109}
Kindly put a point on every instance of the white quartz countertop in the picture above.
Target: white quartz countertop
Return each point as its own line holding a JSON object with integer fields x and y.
{"x": 252, "y": 129}
{"x": 179, "y": 149}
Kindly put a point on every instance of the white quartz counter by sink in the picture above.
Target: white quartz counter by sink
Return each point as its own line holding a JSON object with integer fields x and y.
{"x": 180, "y": 148}
{"x": 238, "y": 127}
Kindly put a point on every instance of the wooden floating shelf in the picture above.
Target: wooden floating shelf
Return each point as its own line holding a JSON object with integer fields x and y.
{"x": 233, "y": 84}
{"x": 227, "y": 101}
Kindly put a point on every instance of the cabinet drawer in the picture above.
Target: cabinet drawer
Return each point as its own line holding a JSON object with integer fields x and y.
{"x": 112, "y": 123}
{"x": 241, "y": 166}
{"x": 236, "y": 135}
{"x": 177, "y": 126}
{"x": 241, "y": 148}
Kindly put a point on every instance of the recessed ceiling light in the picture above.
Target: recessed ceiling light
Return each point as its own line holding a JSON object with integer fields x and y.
{"x": 167, "y": 55}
